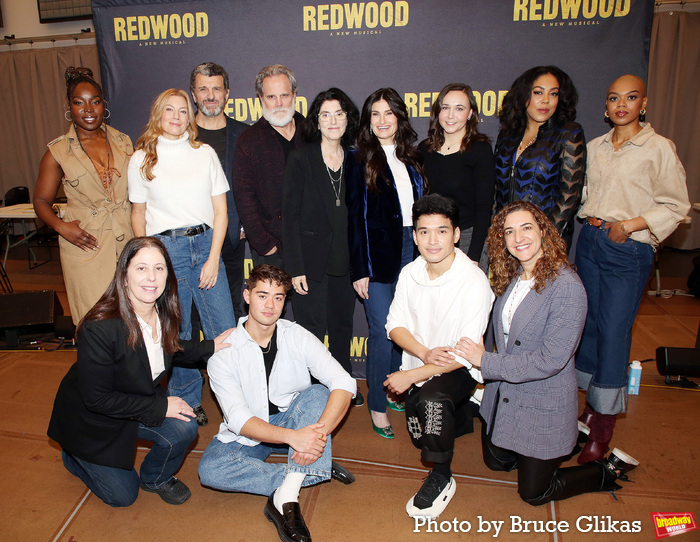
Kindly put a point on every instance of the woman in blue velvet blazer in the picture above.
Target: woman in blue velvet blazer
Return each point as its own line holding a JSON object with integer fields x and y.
{"x": 530, "y": 399}
{"x": 384, "y": 178}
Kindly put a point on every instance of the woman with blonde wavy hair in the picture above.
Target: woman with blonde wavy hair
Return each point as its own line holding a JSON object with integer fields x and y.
{"x": 178, "y": 194}
{"x": 530, "y": 399}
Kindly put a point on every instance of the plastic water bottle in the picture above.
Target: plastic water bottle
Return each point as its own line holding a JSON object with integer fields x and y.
{"x": 635, "y": 378}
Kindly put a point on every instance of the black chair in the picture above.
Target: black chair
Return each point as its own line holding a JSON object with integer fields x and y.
{"x": 16, "y": 195}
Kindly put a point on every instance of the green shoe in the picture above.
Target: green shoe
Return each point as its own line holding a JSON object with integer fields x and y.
{"x": 398, "y": 407}
{"x": 386, "y": 432}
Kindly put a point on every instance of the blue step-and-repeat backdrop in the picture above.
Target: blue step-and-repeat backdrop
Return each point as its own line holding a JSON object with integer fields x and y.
{"x": 415, "y": 46}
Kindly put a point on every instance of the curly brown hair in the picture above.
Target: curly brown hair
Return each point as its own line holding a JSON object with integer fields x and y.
{"x": 505, "y": 266}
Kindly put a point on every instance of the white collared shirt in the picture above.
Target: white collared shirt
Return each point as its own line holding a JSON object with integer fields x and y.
{"x": 154, "y": 349}
{"x": 238, "y": 379}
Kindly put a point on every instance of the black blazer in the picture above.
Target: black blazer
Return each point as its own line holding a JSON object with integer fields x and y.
{"x": 375, "y": 222}
{"x": 307, "y": 213}
{"x": 234, "y": 128}
{"x": 108, "y": 392}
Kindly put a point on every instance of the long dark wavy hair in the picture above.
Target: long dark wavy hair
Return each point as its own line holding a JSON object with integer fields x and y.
{"x": 505, "y": 266}
{"x": 115, "y": 302}
{"x": 436, "y": 134}
{"x": 370, "y": 150}
{"x": 310, "y": 130}
{"x": 513, "y": 114}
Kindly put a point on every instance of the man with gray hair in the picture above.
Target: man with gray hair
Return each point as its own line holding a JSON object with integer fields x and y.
{"x": 260, "y": 160}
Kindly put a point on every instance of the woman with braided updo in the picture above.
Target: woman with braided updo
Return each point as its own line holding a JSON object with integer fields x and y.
{"x": 91, "y": 162}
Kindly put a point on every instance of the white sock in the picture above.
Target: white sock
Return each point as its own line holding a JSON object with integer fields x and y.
{"x": 289, "y": 490}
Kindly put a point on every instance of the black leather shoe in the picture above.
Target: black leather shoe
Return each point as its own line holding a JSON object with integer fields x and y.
{"x": 173, "y": 491}
{"x": 340, "y": 473}
{"x": 358, "y": 400}
{"x": 290, "y": 525}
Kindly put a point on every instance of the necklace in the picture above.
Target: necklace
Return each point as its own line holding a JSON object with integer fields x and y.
{"x": 521, "y": 148}
{"x": 269, "y": 345}
{"x": 335, "y": 182}
{"x": 103, "y": 172}
{"x": 513, "y": 298}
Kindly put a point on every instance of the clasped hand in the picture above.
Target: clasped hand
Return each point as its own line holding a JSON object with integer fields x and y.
{"x": 308, "y": 444}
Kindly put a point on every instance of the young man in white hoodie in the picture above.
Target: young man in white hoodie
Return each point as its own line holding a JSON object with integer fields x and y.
{"x": 440, "y": 297}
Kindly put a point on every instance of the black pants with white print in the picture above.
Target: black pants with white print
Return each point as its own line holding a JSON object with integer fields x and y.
{"x": 438, "y": 412}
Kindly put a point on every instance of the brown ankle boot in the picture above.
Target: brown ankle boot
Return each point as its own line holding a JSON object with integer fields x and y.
{"x": 601, "y": 434}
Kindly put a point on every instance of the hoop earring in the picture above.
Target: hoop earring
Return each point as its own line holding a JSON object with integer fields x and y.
{"x": 109, "y": 114}
{"x": 606, "y": 114}
{"x": 68, "y": 116}
{"x": 643, "y": 112}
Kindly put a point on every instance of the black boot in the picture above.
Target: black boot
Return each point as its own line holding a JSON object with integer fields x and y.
{"x": 619, "y": 464}
{"x": 601, "y": 475}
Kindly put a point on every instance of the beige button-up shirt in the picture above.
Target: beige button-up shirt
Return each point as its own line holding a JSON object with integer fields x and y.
{"x": 643, "y": 178}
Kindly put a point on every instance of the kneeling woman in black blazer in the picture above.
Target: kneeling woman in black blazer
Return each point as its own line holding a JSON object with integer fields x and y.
{"x": 112, "y": 395}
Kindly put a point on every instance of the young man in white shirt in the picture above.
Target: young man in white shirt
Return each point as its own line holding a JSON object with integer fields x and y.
{"x": 263, "y": 386}
{"x": 440, "y": 297}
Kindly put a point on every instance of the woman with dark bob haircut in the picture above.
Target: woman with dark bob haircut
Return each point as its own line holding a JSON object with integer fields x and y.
{"x": 315, "y": 224}
{"x": 541, "y": 151}
{"x": 385, "y": 177}
{"x": 530, "y": 398}
{"x": 113, "y": 396}
{"x": 459, "y": 163}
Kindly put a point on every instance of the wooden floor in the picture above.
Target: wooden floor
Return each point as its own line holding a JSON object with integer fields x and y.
{"x": 41, "y": 501}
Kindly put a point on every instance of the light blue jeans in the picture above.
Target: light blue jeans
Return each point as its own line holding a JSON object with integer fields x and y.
{"x": 214, "y": 305}
{"x": 236, "y": 467}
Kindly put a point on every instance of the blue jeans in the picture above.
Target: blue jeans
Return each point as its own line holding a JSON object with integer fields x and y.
{"x": 383, "y": 356}
{"x": 236, "y": 467}
{"x": 120, "y": 487}
{"x": 614, "y": 275}
{"x": 214, "y": 306}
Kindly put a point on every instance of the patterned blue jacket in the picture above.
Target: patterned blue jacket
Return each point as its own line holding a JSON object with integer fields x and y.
{"x": 549, "y": 173}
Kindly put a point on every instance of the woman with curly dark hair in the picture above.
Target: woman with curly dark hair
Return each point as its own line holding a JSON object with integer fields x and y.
{"x": 459, "y": 164}
{"x": 315, "y": 224}
{"x": 541, "y": 151}
{"x": 530, "y": 401}
{"x": 384, "y": 178}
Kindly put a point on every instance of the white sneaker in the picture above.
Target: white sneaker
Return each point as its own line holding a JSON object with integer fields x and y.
{"x": 434, "y": 485}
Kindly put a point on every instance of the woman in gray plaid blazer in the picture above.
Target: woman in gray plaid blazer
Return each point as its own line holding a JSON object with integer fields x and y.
{"x": 530, "y": 401}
